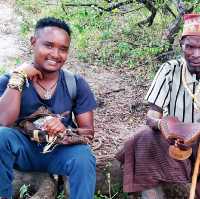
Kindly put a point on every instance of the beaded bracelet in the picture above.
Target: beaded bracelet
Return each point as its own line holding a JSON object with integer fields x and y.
{"x": 17, "y": 80}
{"x": 21, "y": 73}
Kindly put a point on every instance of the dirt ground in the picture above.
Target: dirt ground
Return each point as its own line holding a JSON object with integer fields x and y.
{"x": 9, "y": 34}
{"x": 120, "y": 108}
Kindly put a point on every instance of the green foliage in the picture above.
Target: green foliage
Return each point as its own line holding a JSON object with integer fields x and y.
{"x": 100, "y": 196}
{"x": 24, "y": 192}
{"x": 34, "y": 6}
{"x": 24, "y": 28}
{"x": 61, "y": 195}
{"x": 2, "y": 70}
{"x": 117, "y": 194}
{"x": 18, "y": 61}
{"x": 109, "y": 38}
{"x": 197, "y": 9}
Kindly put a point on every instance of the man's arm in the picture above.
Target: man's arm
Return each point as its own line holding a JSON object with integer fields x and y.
{"x": 11, "y": 99}
{"x": 154, "y": 115}
{"x": 86, "y": 121}
{"x": 9, "y": 106}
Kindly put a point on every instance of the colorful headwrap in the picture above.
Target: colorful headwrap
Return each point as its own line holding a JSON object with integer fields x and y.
{"x": 191, "y": 25}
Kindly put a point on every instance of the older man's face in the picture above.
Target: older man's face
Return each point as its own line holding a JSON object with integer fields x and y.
{"x": 191, "y": 49}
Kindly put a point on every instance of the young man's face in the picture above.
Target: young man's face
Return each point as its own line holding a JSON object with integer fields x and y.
{"x": 191, "y": 49}
{"x": 50, "y": 46}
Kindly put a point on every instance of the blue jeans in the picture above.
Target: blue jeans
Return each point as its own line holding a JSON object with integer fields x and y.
{"x": 76, "y": 161}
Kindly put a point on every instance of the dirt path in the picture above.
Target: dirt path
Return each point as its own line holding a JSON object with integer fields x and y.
{"x": 119, "y": 93}
{"x": 9, "y": 34}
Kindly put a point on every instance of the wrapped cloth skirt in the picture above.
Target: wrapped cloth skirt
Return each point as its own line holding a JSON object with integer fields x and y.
{"x": 146, "y": 162}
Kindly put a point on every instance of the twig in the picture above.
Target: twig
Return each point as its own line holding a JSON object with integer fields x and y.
{"x": 109, "y": 185}
{"x": 165, "y": 55}
{"x": 63, "y": 7}
{"x": 96, "y": 144}
{"x": 174, "y": 27}
{"x": 114, "y": 91}
{"x": 123, "y": 13}
{"x": 149, "y": 5}
{"x": 93, "y": 5}
{"x": 166, "y": 6}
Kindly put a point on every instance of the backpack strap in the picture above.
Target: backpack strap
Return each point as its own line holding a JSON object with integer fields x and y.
{"x": 71, "y": 84}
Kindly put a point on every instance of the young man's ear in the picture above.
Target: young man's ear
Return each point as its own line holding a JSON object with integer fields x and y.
{"x": 33, "y": 40}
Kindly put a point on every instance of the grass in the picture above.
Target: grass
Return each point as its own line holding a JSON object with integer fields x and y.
{"x": 24, "y": 192}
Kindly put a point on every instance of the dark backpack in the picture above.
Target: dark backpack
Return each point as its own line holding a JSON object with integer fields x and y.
{"x": 71, "y": 84}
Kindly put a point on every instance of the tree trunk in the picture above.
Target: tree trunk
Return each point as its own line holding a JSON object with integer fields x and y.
{"x": 41, "y": 184}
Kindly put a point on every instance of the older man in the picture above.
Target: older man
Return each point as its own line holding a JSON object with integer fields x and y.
{"x": 175, "y": 91}
{"x": 38, "y": 88}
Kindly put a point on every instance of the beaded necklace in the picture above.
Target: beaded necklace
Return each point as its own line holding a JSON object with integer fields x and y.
{"x": 48, "y": 91}
{"x": 196, "y": 96}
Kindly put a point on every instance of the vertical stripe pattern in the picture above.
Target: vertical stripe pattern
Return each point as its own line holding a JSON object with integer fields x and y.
{"x": 168, "y": 92}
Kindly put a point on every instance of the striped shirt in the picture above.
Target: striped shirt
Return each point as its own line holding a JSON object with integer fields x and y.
{"x": 167, "y": 92}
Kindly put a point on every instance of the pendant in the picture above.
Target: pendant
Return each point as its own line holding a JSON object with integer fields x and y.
{"x": 47, "y": 95}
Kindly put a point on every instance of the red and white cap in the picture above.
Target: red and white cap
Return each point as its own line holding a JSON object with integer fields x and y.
{"x": 191, "y": 25}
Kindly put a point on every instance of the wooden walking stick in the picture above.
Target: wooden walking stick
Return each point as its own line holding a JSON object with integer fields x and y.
{"x": 195, "y": 175}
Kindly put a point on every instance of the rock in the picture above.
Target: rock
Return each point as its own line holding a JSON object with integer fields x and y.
{"x": 42, "y": 185}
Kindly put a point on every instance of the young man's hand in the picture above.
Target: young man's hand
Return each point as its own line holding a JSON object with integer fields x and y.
{"x": 54, "y": 126}
{"x": 31, "y": 72}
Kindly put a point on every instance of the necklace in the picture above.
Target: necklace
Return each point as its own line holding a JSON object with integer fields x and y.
{"x": 48, "y": 91}
{"x": 195, "y": 96}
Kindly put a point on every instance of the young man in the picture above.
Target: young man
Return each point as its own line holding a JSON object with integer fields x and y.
{"x": 42, "y": 86}
{"x": 145, "y": 157}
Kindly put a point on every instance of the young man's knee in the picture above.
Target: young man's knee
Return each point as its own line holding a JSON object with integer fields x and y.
{"x": 6, "y": 134}
{"x": 10, "y": 139}
{"x": 85, "y": 160}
